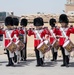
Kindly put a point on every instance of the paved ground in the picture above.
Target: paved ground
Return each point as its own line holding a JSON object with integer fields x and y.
{"x": 29, "y": 68}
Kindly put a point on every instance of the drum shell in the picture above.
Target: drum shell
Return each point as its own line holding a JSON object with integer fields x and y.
{"x": 69, "y": 47}
{"x": 20, "y": 45}
{"x": 43, "y": 47}
{"x": 56, "y": 45}
{"x": 12, "y": 47}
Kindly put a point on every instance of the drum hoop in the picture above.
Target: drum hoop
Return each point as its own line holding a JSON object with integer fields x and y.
{"x": 66, "y": 43}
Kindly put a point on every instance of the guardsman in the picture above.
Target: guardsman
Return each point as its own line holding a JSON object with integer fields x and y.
{"x": 52, "y": 23}
{"x": 23, "y": 37}
{"x": 64, "y": 31}
{"x": 39, "y": 33}
{"x": 8, "y": 39}
{"x": 15, "y": 35}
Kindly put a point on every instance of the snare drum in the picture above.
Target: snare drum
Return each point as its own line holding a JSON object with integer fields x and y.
{"x": 69, "y": 46}
{"x": 44, "y": 46}
{"x": 56, "y": 45}
{"x": 11, "y": 47}
{"x": 20, "y": 45}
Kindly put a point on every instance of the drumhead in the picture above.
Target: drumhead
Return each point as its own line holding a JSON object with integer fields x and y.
{"x": 66, "y": 43}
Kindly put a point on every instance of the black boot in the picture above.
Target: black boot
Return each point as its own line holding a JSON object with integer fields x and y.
{"x": 64, "y": 61}
{"x": 52, "y": 54}
{"x": 38, "y": 62}
{"x": 21, "y": 55}
{"x": 37, "y": 57}
{"x": 55, "y": 56}
{"x": 63, "y": 65}
{"x": 63, "y": 54}
{"x": 25, "y": 52}
{"x": 15, "y": 58}
{"x": 52, "y": 59}
{"x": 41, "y": 61}
{"x": 67, "y": 61}
{"x": 10, "y": 62}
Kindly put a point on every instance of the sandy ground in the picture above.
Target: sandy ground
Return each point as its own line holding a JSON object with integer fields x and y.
{"x": 28, "y": 67}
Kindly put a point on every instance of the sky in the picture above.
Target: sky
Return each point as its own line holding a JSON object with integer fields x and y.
{"x": 23, "y": 7}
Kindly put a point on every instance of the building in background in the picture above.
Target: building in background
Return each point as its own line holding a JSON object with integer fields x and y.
{"x": 3, "y": 15}
{"x": 69, "y": 7}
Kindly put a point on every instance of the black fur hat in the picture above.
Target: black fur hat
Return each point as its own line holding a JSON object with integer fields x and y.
{"x": 24, "y": 22}
{"x": 15, "y": 21}
{"x": 8, "y": 21}
{"x": 52, "y": 22}
{"x": 63, "y": 18}
{"x": 38, "y": 21}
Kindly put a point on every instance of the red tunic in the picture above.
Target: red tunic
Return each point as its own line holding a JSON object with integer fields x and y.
{"x": 8, "y": 37}
{"x": 15, "y": 33}
{"x": 52, "y": 37}
{"x": 62, "y": 38}
{"x": 1, "y": 32}
{"x": 42, "y": 33}
{"x": 21, "y": 31}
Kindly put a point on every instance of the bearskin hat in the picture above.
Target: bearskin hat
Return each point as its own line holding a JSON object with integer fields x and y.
{"x": 24, "y": 22}
{"x": 8, "y": 21}
{"x": 63, "y": 18}
{"x": 38, "y": 21}
{"x": 15, "y": 21}
{"x": 52, "y": 22}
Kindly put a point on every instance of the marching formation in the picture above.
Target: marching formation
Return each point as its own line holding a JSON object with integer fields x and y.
{"x": 15, "y": 39}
